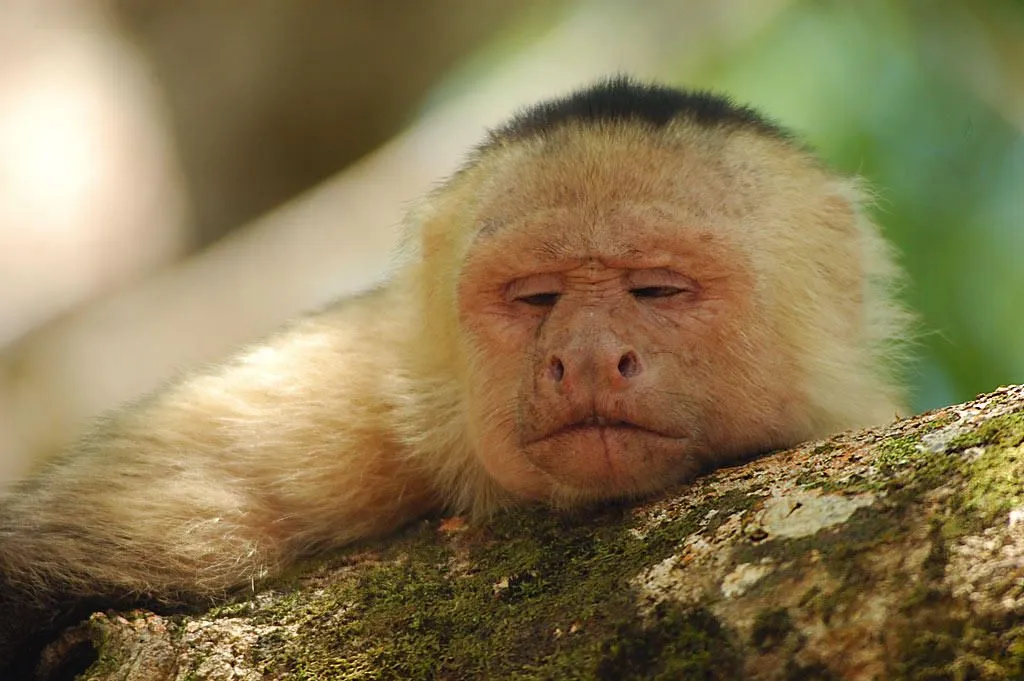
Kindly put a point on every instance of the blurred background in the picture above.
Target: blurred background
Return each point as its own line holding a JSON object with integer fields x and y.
{"x": 178, "y": 177}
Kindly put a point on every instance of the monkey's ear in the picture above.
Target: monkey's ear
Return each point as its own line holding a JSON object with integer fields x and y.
{"x": 437, "y": 229}
{"x": 438, "y": 235}
{"x": 846, "y": 202}
{"x": 839, "y": 214}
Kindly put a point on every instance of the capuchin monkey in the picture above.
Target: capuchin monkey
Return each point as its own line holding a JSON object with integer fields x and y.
{"x": 618, "y": 289}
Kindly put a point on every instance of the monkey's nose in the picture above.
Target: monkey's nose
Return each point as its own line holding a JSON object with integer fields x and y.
{"x": 616, "y": 369}
{"x": 629, "y": 365}
{"x": 556, "y": 369}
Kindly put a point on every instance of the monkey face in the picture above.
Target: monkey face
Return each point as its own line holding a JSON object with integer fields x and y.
{"x": 595, "y": 410}
{"x": 616, "y": 333}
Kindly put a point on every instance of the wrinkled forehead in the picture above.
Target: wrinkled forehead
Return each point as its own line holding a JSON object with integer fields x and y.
{"x": 625, "y": 197}
{"x": 697, "y": 175}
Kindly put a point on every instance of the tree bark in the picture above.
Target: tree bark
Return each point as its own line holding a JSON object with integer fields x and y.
{"x": 893, "y": 553}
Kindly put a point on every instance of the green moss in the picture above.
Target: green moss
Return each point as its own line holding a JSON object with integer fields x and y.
{"x": 823, "y": 483}
{"x": 936, "y": 423}
{"x": 535, "y": 595}
{"x": 990, "y": 477}
{"x": 934, "y": 565}
{"x": 906, "y": 469}
{"x": 681, "y": 645}
{"x": 927, "y": 656}
{"x": 935, "y": 642}
{"x": 1001, "y": 431}
{"x": 895, "y": 460}
{"x": 771, "y": 628}
{"x": 917, "y": 472}
{"x": 896, "y": 453}
{"x": 994, "y": 485}
{"x": 825, "y": 604}
{"x": 948, "y": 648}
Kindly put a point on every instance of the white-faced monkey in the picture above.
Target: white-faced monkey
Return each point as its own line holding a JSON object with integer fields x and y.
{"x": 618, "y": 289}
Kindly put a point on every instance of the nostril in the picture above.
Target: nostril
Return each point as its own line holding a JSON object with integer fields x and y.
{"x": 629, "y": 365}
{"x": 556, "y": 370}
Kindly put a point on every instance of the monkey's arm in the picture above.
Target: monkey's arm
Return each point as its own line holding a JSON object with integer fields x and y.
{"x": 227, "y": 475}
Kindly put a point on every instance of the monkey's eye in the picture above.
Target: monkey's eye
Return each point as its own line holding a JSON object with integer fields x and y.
{"x": 540, "y": 299}
{"x": 656, "y": 291}
{"x": 538, "y": 290}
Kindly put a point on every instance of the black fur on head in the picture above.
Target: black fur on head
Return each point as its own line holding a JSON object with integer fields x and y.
{"x": 624, "y": 99}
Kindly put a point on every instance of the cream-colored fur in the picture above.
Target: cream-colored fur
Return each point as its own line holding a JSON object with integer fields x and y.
{"x": 401, "y": 401}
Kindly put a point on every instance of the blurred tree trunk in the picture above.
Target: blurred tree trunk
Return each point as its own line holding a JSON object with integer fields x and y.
{"x": 270, "y": 98}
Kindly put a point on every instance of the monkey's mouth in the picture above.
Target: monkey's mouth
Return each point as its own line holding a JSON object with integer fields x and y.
{"x": 604, "y": 455}
{"x": 605, "y": 421}
{"x": 599, "y": 423}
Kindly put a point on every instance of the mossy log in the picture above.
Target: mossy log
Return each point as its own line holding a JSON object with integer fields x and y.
{"x": 893, "y": 553}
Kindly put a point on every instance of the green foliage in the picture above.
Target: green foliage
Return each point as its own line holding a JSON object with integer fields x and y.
{"x": 879, "y": 88}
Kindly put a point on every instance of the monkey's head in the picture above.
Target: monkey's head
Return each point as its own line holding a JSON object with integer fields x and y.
{"x": 642, "y": 281}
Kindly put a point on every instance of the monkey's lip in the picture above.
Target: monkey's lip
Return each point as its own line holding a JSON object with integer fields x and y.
{"x": 608, "y": 456}
{"x": 596, "y": 422}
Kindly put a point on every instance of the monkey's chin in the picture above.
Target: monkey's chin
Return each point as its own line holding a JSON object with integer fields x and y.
{"x": 606, "y": 461}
